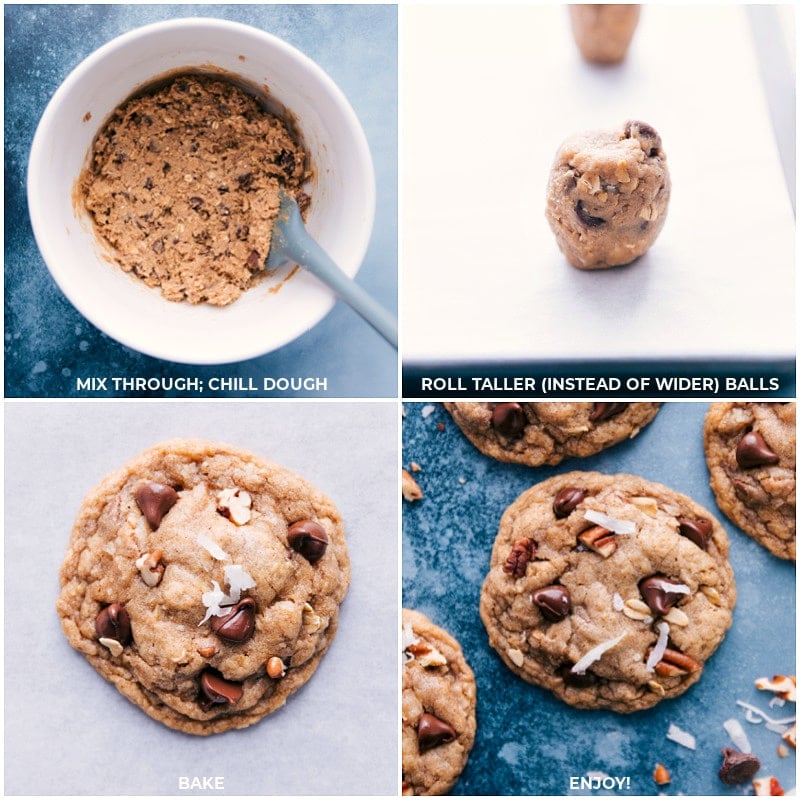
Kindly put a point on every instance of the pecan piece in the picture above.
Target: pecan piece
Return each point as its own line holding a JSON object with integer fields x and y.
{"x": 521, "y": 553}
{"x": 599, "y": 539}
{"x": 675, "y": 663}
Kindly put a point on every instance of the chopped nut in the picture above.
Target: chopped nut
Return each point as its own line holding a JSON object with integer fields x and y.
{"x": 783, "y": 750}
{"x": 410, "y": 488}
{"x": 712, "y": 594}
{"x": 275, "y": 668}
{"x": 637, "y": 609}
{"x": 599, "y": 539}
{"x": 646, "y": 504}
{"x": 207, "y": 652}
{"x": 521, "y": 553}
{"x": 235, "y": 505}
{"x": 656, "y": 687}
{"x": 113, "y": 645}
{"x": 425, "y": 655}
{"x": 311, "y": 620}
{"x": 767, "y": 787}
{"x": 661, "y": 775}
{"x": 673, "y": 663}
{"x": 150, "y": 567}
{"x": 515, "y": 656}
{"x": 676, "y": 617}
{"x": 408, "y": 789}
{"x": 782, "y": 685}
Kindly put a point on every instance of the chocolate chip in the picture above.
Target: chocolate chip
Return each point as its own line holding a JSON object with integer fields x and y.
{"x": 603, "y": 411}
{"x": 587, "y": 219}
{"x": 431, "y": 732}
{"x": 553, "y": 602}
{"x": 571, "y": 678}
{"x": 567, "y": 500}
{"x": 508, "y": 419}
{"x": 303, "y": 201}
{"x": 217, "y": 690}
{"x": 195, "y": 202}
{"x": 696, "y": 530}
{"x": 753, "y": 451}
{"x": 656, "y": 593}
{"x": 157, "y": 246}
{"x": 155, "y": 499}
{"x": 238, "y": 624}
{"x": 113, "y": 622}
{"x": 252, "y": 260}
{"x": 286, "y": 161}
{"x": 308, "y": 538}
{"x": 737, "y": 767}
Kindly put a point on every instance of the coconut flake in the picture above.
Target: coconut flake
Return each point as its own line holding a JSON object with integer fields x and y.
{"x": 238, "y": 579}
{"x": 427, "y": 411}
{"x": 757, "y": 716}
{"x": 657, "y": 653}
{"x": 213, "y": 601}
{"x": 620, "y": 526}
{"x": 212, "y": 547}
{"x": 681, "y": 737}
{"x": 617, "y": 602}
{"x": 595, "y": 654}
{"x": 737, "y": 734}
{"x": 408, "y": 640}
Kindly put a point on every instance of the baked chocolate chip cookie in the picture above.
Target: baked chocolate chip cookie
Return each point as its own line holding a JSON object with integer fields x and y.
{"x": 438, "y": 707}
{"x": 750, "y": 451}
{"x": 609, "y": 590}
{"x": 608, "y": 194}
{"x": 547, "y": 433}
{"x": 204, "y": 583}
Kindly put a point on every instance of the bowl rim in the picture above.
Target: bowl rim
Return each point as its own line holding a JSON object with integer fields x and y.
{"x": 36, "y": 181}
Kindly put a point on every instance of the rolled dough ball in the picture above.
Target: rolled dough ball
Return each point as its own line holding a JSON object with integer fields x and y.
{"x": 603, "y": 32}
{"x": 608, "y": 194}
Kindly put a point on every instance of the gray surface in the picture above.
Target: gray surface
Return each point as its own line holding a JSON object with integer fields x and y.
{"x": 529, "y": 742}
{"x": 49, "y": 345}
{"x": 67, "y": 731}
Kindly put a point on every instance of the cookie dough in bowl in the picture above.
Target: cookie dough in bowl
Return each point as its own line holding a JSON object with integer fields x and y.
{"x": 184, "y": 186}
{"x": 204, "y": 583}
{"x": 611, "y": 591}
{"x": 265, "y": 317}
{"x": 608, "y": 194}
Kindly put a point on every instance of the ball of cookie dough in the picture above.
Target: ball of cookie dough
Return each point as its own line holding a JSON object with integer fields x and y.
{"x": 603, "y": 32}
{"x": 608, "y": 194}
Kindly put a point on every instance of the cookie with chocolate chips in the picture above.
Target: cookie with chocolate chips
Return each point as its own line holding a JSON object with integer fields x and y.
{"x": 750, "y": 451}
{"x": 547, "y": 433}
{"x": 611, "y": 591}
{"x": 608, "y": 194}
{"x": 438, "y": 707}
{"x": 204, "y": 583}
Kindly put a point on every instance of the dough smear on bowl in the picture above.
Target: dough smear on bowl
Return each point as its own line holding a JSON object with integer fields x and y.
{"x": 608, "y": 194}
{"x": 183, "y": 185}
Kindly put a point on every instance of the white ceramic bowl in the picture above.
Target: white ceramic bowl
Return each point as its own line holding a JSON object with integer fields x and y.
{"x": 342, "y": 191}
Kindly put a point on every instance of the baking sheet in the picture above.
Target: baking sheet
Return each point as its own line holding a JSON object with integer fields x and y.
{"x": 486, "y": 103}
{"x": 67, "y": 731}
{"x": 530, "y": 743}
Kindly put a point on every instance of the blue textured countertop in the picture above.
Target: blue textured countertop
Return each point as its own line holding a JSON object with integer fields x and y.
{"x": 529, "y": 742}
{"x": 48, "y": 344}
